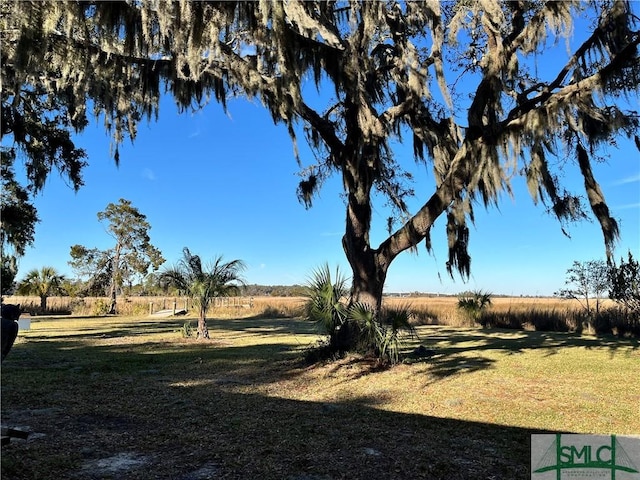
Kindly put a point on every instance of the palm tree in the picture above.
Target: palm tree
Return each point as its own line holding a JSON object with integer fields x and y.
{"x": 473, "y": 304}
{"x": 218, "y": 279}
{"x": 44, "y": 283}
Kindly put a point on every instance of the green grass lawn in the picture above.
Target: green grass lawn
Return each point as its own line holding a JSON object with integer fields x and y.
{"x": 129, "y": 398}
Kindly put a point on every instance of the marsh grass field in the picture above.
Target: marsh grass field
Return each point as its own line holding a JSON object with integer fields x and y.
{"x": 427, "y": 309}
{"x": 129, "y": 397}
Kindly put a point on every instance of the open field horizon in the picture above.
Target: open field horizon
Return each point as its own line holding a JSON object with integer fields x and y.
{"x": 140, "y": 304}
{"x": 521, "y": 313}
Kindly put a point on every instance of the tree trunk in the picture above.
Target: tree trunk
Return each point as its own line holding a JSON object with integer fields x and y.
{"x": 203, "y": 331}
{"x": 360, "y": 164}
{"x": 370, "y": 266}
{"x": 112, "y": 294}
{"x": 368, "y": 277}
{"x": 115, "y": 273}
{"x": 43, "y": 303}
{"x": 368, "y": 271}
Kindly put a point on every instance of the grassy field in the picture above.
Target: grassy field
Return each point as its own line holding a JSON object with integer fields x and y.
{"x": 131, "y": 398}
{"x": 428, "y": 309}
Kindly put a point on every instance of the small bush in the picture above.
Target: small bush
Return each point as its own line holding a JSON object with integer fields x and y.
{"x": 396, "y": 323}
{"x": 100, "y": 307}
{"x": 325, "y": 306}
{"x": 187, "y": 330}
{"x": 381, "y": 335}
{"x": 473, "y": 304}
{"x": 77, "y": 305}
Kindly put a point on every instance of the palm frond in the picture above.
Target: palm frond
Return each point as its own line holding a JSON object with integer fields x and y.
{"x": 325, "y": 295}
{"x": 473, "y": 304}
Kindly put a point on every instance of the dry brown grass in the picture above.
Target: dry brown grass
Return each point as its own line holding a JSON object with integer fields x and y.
{"x": 140, "y": 306}
{"x": 427, "y": 310}
{"x": 443, "y": 310}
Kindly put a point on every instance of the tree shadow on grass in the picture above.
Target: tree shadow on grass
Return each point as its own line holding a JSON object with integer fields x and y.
{"x": 95, "y": 328}
{"x": 178, "y": 408}
{"x": 518, "y": 341}
{"x": 174, "y": 425}
{"x": 455, "y": 351}
{"x": 260, "y": 324}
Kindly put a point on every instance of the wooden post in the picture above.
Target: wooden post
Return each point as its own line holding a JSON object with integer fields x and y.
{"x": 150, "y": 308}
{"x": 174, "y": 306}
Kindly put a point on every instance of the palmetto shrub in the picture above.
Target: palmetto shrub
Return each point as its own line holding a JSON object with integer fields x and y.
{"x": 381, "y": 334}
{"x": 473, "y": 304}
{"x": 396, "y": 325}
{"x": 356, "y": 327}
{"x": 326, "y": 304}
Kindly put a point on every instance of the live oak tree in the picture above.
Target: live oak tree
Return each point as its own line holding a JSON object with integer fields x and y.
{"x": 36, "y": 128}
{"x": 18, "y": 218}
{"x": 132, "y": 253}
{"x": 462, "y": 81}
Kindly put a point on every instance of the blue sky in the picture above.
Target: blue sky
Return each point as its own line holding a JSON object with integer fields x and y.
{"x": 226, "y": 185}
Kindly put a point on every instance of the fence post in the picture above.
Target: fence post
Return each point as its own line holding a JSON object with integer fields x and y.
{"x": 174, "y": 306}
{"x": 150, "y": 308}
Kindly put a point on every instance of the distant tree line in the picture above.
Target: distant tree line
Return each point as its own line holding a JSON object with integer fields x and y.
{"x": 255, "y": 290}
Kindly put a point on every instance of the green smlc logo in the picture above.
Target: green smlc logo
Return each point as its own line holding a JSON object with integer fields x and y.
{"x": 588, "y": 455}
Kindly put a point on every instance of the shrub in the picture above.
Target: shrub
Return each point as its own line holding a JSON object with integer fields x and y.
{"x": 325, "y": 305}
{"x": 357, "y": 326}
{"x": 187, "y": 330}
{"x": 473, "y": 305}
{"x": 624, "y": 281}
{"x": 380, "y": 334}
{"x": 553, "y": 321}
{"x": 509, "y": 319}
{"x": 619, "y": 321}
{"x": 395, "y": 322}
{"x": 100, "y": 307}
